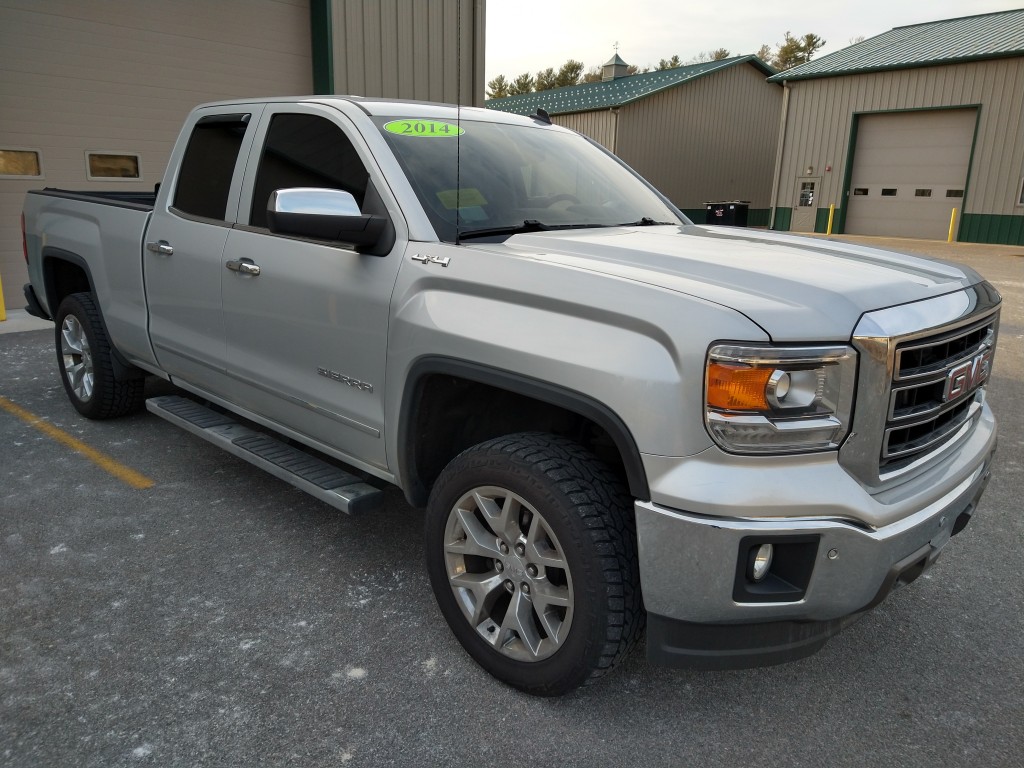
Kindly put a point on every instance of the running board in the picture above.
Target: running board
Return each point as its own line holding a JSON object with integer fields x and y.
{"x": 307, "y": 473}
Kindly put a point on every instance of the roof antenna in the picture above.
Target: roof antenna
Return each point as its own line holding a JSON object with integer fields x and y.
{"x": 542, "y": 115}
{"x": 458, "y": 118}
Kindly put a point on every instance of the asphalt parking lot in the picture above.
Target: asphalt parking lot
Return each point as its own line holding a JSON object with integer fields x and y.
{"x": 220, "y": 617}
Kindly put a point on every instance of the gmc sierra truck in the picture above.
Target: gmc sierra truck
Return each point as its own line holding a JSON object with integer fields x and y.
{"x": 614, "y": 419}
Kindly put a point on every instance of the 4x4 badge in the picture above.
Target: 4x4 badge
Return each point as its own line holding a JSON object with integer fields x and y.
{"x": 442, "y": 260}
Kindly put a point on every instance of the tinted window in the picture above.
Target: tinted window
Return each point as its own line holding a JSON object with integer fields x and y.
{"x": 306, "y": 151}
{"x": 208, "y": 165}
{"x": 483, "y": 175}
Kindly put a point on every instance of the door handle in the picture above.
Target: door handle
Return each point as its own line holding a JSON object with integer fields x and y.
{"x": 162, "y": 247}
{"x": 245, "y": 266}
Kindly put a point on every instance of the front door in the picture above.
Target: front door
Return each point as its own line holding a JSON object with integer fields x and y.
{"x": 805, "y": 208}
{"x": 306, "y": 338}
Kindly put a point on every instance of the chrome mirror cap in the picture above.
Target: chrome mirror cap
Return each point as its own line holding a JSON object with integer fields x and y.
{"x": 313, "y": 201}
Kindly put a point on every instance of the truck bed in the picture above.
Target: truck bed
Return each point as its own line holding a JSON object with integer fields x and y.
{"x": 139, "y": 200}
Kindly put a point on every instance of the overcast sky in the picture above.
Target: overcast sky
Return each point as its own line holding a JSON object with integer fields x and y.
{"x": 528, "y": 35}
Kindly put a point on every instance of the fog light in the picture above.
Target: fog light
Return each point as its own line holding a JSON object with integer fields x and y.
{"x": 760, "y": 563}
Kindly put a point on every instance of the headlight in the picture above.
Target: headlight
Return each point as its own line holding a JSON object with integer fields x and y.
{"x": 778, "y": 399}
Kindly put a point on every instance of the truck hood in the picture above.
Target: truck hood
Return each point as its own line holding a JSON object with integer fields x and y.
{"x": 795, "y": 288}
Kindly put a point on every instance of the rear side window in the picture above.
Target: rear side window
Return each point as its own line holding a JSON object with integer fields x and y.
{"x": 208, "y": 165}
{"x": 306, "y": 151}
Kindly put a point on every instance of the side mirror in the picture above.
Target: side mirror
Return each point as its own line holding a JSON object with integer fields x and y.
{"x": 323, "y": 214}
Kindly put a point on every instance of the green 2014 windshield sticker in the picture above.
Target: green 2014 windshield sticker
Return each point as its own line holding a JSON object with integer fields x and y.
{"x": 423, "y": 128}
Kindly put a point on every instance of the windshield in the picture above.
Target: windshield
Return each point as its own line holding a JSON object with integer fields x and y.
{"x": 516, "y": 177}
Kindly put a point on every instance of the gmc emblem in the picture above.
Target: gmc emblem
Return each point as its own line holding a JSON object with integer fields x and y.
{"x": 967, "y": 376}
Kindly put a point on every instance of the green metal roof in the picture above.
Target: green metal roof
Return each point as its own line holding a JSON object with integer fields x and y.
{"x": 950, "y": 41}
{"x": 615, "y": 93}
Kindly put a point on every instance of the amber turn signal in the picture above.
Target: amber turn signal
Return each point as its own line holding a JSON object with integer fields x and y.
{"x": 738, "y": 387}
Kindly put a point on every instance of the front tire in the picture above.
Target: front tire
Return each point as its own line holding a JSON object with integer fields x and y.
{"x": 531, "y": 551}
{"x": 84, "y": 357}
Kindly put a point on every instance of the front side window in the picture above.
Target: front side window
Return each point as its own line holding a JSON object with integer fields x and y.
{"x": 481, "y": 176}
{"x": 208, "y": 165}
{"x": 306, "y": 151}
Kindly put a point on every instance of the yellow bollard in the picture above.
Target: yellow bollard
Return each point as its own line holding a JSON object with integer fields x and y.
{"x": 952, "y": 222}
{"x": 3, "y": 312}
{"x": 831, "y": 213}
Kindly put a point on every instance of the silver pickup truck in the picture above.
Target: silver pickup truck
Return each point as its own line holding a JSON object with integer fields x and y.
{"x": 614, "y": 419}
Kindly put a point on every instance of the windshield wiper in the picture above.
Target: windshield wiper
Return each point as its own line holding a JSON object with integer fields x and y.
{"x": 530, "y": 225}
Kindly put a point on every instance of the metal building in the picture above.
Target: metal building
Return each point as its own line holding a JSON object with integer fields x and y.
{"x": 699, "y": 133}
{"x": 92, "y": 95}
{"x": 909, "y": 133}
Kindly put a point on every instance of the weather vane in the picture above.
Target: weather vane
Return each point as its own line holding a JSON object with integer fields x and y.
{"x": 616, "y": 46}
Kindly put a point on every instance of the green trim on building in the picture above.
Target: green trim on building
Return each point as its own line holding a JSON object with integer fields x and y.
{"x": 821, "y": 220}
{"x": 696, "y": 215}
{"x": 783, "y": 219}
{"x": 991, "y": 228}
{"x": 321, "y": 27}
{"x": 758, "y": 217}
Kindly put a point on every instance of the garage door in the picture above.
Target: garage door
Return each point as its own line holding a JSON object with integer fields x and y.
{"x": 909, "y": 172}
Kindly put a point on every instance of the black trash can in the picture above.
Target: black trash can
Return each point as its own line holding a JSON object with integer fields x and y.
{"x": 730, "y": 213}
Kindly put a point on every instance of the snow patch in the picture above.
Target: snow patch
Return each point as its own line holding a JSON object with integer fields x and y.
{"x": 59, "y": 549}
{"x": 144, "y": 751}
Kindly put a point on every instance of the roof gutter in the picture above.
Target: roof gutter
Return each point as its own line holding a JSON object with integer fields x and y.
{"x": 778, "y": 153}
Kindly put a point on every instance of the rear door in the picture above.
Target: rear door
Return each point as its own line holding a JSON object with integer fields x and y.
{"x": 184, "y": 245}
{"x": 307, "y": 336}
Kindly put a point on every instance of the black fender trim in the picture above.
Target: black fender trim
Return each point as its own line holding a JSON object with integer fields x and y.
{"x": 416, "y": 491}
{"x": 122, "y": 369}
{"x": 32, "y": 305}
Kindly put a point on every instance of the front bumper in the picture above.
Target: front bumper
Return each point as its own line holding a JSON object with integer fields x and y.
{"x": 693, "y": 574}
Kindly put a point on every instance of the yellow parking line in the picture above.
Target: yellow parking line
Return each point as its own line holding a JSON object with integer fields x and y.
{"x": 112, "y": 466}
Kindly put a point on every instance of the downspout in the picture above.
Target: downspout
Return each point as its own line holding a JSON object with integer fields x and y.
{"x": 778, "y": 153}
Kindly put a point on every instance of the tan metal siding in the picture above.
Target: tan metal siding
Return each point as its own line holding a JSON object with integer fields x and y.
{"x": 901, "y": 154}
{"x": 410, "y": 49}
{"x": 821, "y": 112}
{"x": 712, "y": 139}
{"x": 598, "y": 125}
{"x": 121, "y": 75}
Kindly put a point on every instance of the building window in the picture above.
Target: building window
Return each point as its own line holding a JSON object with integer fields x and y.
{"x": 20, "y": 164}
{"x": 954, "y": 193}
{"x": 100, "y": 166}
{"x": 888, "y": 192}
{"x": 860, "y": 190}
{"x": 922, "y": 193}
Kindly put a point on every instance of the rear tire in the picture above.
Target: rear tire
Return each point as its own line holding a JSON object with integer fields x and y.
{"x": 84, "y": 357}
{"x": 531, "y": 551}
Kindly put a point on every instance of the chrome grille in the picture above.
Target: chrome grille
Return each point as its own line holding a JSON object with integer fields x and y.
{"x": 935, "y": 381}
